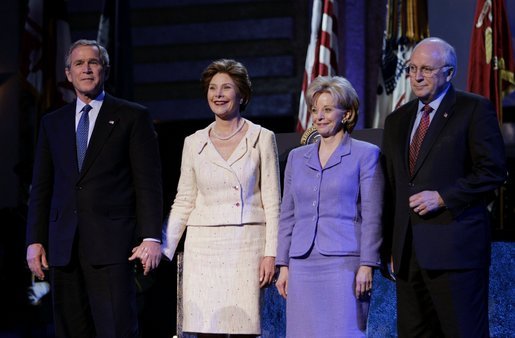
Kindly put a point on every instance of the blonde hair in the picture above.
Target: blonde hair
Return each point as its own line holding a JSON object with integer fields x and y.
{"x": 342, "y": 92}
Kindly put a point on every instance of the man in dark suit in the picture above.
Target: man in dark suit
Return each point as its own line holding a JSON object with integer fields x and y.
{"x": 444, "y": 157}
{"x": 96, "y": 203}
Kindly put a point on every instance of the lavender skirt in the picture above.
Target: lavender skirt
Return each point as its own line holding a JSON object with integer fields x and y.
{"x": 321, "y": 300}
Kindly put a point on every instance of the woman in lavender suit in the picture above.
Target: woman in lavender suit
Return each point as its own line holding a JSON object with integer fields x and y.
{"x": 330, "y": 223}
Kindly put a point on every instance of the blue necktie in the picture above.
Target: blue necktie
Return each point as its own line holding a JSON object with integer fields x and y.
{"x": 82, "y": 135}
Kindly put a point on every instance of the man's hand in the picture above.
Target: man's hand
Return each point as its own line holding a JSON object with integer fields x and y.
{"x": 36, "y": 259}
{"x": 149, "y": 253}
{"x": 425, "y": 202}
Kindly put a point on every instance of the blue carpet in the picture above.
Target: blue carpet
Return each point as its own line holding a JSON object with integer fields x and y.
{"x": 383, "y": 313}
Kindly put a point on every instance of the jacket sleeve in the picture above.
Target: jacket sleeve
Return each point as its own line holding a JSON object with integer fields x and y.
{"x": 287, "y": 217}
{"x": 41, "y": 192}
{"x": 184, "y": 201}
{"x": 270, "y": 189}
{"x": 486, "y": 152}
{"x": 146, "y": 171}
{"x": 371, "y": 185}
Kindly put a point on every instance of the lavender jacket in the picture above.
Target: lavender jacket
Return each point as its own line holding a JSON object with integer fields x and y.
{"x": 338, "y": 207}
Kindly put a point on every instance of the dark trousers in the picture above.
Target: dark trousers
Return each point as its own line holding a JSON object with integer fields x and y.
{"x": 94, "y": 301}
{"x": 441, "y": 303}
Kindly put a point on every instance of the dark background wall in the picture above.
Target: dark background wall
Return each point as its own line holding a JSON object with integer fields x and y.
{"x": 170, "y": 44}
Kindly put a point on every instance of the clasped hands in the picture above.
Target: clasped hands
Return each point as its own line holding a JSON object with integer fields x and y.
{"x": 149, "y": 253}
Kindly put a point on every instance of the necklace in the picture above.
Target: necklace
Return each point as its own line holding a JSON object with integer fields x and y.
{"x": 225, "y": 138}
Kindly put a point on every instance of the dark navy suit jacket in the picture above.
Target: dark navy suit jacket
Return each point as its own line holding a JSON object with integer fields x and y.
{"x": 114, "y": 202}
{"x": 461, "y": 157}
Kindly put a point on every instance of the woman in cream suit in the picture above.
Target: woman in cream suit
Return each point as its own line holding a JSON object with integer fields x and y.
{"x": 228, "y": 197}
{"x": 330, "y": 225}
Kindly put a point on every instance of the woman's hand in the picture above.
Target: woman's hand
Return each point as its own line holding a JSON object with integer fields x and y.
{"x": 282, "y": 281}
{"x": 266, "y": 270}
{"x": 364, "y": 281}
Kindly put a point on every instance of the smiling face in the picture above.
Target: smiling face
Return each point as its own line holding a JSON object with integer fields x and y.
{"x": 327, "y": 116}
{"x": 86, "y": 72}
{"x": 223, "y": 96}
{"x": 429, "y": 55}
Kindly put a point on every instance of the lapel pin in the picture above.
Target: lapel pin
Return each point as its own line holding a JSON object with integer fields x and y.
{"x": 111, "y": 122}
{"x": 445, "y": 115}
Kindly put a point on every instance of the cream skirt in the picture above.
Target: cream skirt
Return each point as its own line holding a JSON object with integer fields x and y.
{"x": 221, "y": 279}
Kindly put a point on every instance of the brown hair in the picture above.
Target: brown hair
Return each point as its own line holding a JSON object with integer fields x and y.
{"x": 236, "y": 71}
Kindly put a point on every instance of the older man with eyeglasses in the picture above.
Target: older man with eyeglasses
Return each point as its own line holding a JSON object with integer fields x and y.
{"x": 444, "y": 157}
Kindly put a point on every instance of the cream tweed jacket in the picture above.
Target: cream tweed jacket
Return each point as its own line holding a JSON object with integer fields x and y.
{"x": 245, "y": 189}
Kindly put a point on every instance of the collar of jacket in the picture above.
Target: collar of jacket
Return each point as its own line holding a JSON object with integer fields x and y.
{"x": 343, "y": 149}
{"x": 252, "y": 135}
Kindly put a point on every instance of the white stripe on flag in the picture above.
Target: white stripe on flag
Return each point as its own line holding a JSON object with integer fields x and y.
{"x": 387, "y": 101}
{"x": 322, "y": 23}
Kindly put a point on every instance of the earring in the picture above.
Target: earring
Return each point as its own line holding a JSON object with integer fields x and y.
{"x": 241, "y": 101}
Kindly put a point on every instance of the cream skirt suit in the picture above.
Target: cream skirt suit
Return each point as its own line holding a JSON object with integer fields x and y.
{"x": 231, "y": 210}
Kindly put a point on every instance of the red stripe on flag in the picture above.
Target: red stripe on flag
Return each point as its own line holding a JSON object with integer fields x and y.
{"x": 322, "y": 55}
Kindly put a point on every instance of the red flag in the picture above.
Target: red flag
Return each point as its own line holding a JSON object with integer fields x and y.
{"x": 491, "y": 63}
{"x": 322, "y": 54}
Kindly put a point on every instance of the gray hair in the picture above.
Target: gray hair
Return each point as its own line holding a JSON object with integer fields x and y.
{"x": 446, "y": 51}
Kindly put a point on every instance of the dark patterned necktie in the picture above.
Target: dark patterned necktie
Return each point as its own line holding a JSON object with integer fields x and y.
{"x": 82, "y": 135}
{"x": 420, "y": 133}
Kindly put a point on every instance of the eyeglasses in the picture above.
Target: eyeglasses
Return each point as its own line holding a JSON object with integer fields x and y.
{"x": 426, "y": 71}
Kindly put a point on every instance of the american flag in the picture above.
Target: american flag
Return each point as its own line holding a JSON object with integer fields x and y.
{"x": 114, "y": 33}
{"x": 322, "y": 54}
{"x": 45, "y": 40}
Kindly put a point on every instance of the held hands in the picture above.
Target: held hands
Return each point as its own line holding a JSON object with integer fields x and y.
{"x": 364, "y": 282}
{"x": 282, "y": 282}
{"x": 266, "y": 270}
{"x": 36, "y": 259}
{"x": 425, "y": 202}
{"x": 149, "y": 253}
